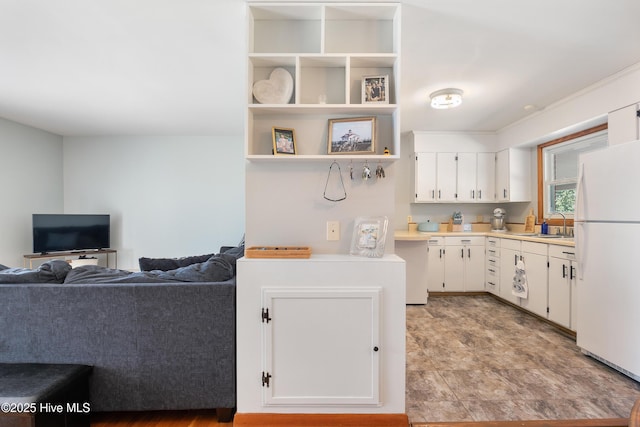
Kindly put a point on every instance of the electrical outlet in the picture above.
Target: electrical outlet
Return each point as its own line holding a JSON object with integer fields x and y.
{"x": 333, "y": 230}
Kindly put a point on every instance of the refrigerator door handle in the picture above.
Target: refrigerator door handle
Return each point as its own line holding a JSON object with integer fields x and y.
{"x": 580, "y": 240}
{"x": 579, "y": 213}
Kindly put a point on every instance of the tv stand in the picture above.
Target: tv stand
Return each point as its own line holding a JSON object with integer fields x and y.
{"x": 29, "y": 258}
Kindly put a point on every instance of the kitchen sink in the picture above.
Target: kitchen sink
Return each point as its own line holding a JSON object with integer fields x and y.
{"x": 543, "y": 236}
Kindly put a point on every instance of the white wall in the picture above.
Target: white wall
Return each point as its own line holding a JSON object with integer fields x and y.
{"x": 167, "y": 196}
{"x": 31, "y": 174}
{"x": 579, "y": 111}
{"x": 285, "y": 205}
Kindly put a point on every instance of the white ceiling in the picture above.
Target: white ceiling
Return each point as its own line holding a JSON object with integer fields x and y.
{"x": 156, "y": 67}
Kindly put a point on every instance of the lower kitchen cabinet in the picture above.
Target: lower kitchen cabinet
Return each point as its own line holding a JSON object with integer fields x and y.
{"x": 534, "y": 257}
{"x": 510, "y": 251}
{"x": 456, "y": 264}
{"x": 562, "y": 286}
{"x": 321, "y": 335}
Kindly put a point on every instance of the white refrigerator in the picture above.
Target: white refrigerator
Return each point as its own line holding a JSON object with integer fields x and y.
{"x": 607, "y": 237}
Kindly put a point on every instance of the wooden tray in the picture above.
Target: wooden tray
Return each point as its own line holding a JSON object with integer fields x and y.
{"x": 278, "y": 252}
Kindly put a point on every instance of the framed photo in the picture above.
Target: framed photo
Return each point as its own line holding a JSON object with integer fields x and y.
{"x": 352, "y": 136}
{"x": 375, "y": 90}
{"x": 369, "y": 236}
{"x": 284, "y": 141}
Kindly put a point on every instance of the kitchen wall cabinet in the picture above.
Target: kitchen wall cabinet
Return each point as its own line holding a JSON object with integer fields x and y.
{"x": 449, "y": 177}
{"x": 562, "y": 286}
{"x": 513, "y": 175}
{"x": 486, "y": 178}
{"x": 425, "y": 181}
{"x": 492, "y": 264}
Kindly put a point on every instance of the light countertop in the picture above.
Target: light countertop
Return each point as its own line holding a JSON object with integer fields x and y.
{"x": 404, "y": 235}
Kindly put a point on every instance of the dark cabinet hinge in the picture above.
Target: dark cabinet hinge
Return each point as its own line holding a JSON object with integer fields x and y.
{"x": 266, "y": 377}
{"x": 265, "y": 315}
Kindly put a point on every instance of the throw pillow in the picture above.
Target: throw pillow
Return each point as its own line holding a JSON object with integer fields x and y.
{"x": 166, "y": 264}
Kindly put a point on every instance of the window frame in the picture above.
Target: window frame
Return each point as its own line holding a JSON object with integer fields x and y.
{"x": 557, "y": 221}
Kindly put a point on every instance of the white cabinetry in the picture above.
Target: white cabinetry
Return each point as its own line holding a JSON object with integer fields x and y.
{"x": 486, "y": 178}
{"x": 534, "y": 257}
{"x": 327, "y": 48}
{"x": 562, "y": 286}
{"x": 454, "y": 177}
{"x": 456, "y": 264}
{"x": 510, "y": 252}
{"x": 307, "y": 330}
{"x": 446, "y": 171}
{"x": 513, "y": 175}
{"x": 492, "y": 264}
{"x": 424, "y": 173}
{"x": 435, "y": 261}
{"x": 324, "y": 334}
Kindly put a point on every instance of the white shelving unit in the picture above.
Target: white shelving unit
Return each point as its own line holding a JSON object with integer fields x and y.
{"x": 327, "y": 48}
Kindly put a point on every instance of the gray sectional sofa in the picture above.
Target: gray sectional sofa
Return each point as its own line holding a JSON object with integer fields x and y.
{"x": 153, "y": 346}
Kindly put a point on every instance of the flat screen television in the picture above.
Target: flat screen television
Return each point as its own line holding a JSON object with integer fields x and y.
{"x": 70, "y": 232}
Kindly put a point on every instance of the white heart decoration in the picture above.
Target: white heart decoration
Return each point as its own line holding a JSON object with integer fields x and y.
{"x": 277, "y": 90}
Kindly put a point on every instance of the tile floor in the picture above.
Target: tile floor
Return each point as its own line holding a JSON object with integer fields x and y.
{"x": 473, "y": 358}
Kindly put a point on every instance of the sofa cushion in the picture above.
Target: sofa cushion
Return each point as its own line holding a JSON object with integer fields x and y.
{"x": 218, "y": 268}
{"x": 54, "y": 271}
{"x": 166, "y": 264}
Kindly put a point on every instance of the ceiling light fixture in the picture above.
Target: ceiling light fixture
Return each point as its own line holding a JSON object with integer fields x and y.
{"x": 446, "y": 98}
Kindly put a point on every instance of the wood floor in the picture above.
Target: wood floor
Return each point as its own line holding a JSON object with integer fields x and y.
{"x": 204, "y": 418}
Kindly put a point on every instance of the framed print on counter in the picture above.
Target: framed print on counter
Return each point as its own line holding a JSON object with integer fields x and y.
{"x": 369, "y": 236}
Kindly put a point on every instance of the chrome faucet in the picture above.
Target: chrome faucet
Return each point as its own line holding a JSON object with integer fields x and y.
{"x": 564, "y": 222}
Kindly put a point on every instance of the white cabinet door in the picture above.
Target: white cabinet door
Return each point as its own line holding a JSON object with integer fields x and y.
{"x": 486, "y": 177}
{"x": 474, "y": 268}
{"x": 446, "y": 177}
{"x": 466, "y": 172}
{"x": 560, "y": 273}
{"x": 623, "y": 125}
{"x": 454, "y": 266}
{"x": 536, "y": 272}
{"x": 508, "y": 262}
{"x": 425, "y": 177}
{"x": 513, "y": 175}
{"x": 321, "y": 346}
{"x": 502, "y": 175}
{"x": 435, "y": 269}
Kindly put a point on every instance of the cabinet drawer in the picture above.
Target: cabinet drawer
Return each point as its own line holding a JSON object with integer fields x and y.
{"x": 463, "y": 240}
{"x": 535, "y": 248}
{"x": 493, "y": 252}
{"x": 436, "y": 241}
{"x": 493, "y": 242}
{"x": 493, "y": 274}
{"x": 511, "y": 244}
{"x": 566, "y": 252}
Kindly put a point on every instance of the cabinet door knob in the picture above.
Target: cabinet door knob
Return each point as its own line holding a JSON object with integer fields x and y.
{"x": 375, "y": 348}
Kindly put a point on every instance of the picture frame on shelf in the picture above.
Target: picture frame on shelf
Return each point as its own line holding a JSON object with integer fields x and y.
{"x": 352, "y": 136}
{"x": 284, "y": 141}
{"x": 375, "y": 89}
{"x": 369, "y": 236}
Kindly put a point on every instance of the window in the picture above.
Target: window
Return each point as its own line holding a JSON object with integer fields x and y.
{"x": 558, "y": 170}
